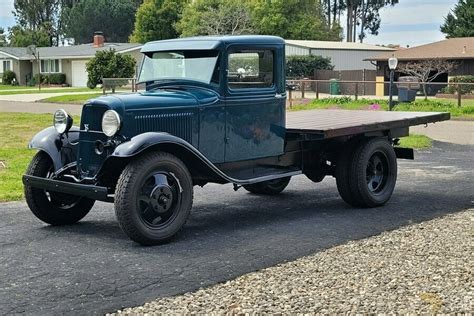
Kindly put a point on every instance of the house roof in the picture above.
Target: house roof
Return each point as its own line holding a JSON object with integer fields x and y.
{"x": 337, "y": 45}
{"x": 453, "y": 48}
{"x": 67, "y": 52}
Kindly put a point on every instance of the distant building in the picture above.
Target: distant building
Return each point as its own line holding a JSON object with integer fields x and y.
{"x": 344, "y": 56}
{"x": 69, "y": 60}
{"x": 460, "y": 50}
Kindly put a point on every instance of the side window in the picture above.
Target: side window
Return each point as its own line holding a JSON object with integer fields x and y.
{"x": 250, "y": 69}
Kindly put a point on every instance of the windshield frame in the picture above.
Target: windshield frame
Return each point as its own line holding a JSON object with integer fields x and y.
{"x": 215, "y": 75}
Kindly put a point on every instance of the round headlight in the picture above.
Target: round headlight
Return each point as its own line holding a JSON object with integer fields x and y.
{"x": 62, "y": 121}
{"x": 110, "y": 123}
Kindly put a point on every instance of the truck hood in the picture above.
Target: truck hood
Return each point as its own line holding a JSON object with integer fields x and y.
{"x": 165, "y": 98}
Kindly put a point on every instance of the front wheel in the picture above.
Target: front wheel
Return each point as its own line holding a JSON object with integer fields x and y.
{"x": 153, "y": 198}
{"x": 271, "y": 187}
{"x": 52, "y": 207}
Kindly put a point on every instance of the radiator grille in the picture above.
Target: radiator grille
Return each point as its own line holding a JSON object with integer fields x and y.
{"x": 177, "y": 124}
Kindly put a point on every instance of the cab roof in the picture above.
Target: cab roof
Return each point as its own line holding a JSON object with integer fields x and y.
{"x": 210, "y": 42}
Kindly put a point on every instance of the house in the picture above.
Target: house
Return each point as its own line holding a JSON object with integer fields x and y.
{"x": 69, "y": 60}
{"x": 344, "y": 56}
{"x": 459, "y": 50}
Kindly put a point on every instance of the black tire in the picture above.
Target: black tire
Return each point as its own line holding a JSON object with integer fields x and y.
{"x": 365, "y": 193}
{"x": 271, "y": 187}
{"x": 343, "y": 168}
{"x": 52, "y": 207}
{"x": 153, "y": 198}
{"x": 369, "y": 175}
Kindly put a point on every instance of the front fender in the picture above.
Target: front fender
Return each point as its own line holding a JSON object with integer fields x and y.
{"x": 144, "y": 141}
{"x": 61, "y": 148}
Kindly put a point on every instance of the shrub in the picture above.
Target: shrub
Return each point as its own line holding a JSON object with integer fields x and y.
{"x": 58, "y": 78}
{"x": 108, "y": 64}
{"x": 465, "y": 89}
{"x": 304, "y": 66}
{"x": 8, "y": 77}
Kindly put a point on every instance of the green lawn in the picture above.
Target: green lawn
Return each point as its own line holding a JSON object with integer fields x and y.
{"x": 72, "y": 98}
{"x": 45, "y": 90}
{"x": 416, "y": 141}
{"x": 16, "y": 130}
{"x": 438, "y": 105}
{"x": 10, "y": 87}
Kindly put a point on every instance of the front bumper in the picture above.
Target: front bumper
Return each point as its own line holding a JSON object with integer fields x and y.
{"x": 86, "y": 190}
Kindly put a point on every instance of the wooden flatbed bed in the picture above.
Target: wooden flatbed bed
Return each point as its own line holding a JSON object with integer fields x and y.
{"x": 335, "y": 123}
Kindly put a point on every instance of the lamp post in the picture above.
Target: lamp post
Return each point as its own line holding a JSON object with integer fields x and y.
{"x": 392, "y": 65}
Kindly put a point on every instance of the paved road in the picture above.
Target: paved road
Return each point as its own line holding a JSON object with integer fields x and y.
{"x": 458, "y": 132}
{"x": 92, "y": 267}
{"x": 38, "y": 107}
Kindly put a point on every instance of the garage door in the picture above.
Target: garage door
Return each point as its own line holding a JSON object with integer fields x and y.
{"x": 79, "y": 73}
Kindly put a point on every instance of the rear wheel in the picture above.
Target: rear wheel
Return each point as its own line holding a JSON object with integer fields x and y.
{"x": 52, "y": 207}
{"x": 153, "y": 198}
{"x": 270, "y": 187}
{"x": 367, "y": 177}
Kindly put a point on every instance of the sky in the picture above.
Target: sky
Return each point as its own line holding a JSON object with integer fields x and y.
{"x": 411, "y": 22}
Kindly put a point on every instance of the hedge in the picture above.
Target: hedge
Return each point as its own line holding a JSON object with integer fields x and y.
{"x": 58, "y": 78}
{"x": 304, "y": 66}
{"x": 465, "y": 89}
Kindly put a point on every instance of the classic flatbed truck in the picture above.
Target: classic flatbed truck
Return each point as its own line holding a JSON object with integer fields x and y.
{"x": 213, "y": 112}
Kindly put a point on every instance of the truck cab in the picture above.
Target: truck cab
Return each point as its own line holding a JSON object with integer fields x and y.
{"x": 213, "y": 111}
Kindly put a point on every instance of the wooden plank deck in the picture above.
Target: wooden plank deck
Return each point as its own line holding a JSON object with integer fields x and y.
{"x": 334, "y": 123}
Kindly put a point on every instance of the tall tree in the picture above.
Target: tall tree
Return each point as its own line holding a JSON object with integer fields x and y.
{"x": 460, "y": 22}
{"x": 36, "y": 16}
{"x": 22, "y": 37}
{"x": 216, "y": 17}
{"x": 365, "y": 15}
{"x": 156, "y": 19}
{"x": 113, "y": 17}
{"x": 293, "y": 19}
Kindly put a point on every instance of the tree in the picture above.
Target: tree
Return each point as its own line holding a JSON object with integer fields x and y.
{"x": 34, "y": 16}
{"x": 108, "y": 64}
{"x": 293, "y": 19}
{"x": 460, "y": 22}
{"x": 3, "y": 37}
{"x": 427, "y": 70}
{"x": 364, "y": 13}
{"x": 113, "y": 17}
{"x": 156, "y": 19}
{"x": 22, "y": 37}
{"x": 216, "y": 17}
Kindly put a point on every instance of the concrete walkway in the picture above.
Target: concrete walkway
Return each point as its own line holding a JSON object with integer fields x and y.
{"x": 457, "y": 132}
{"x": 33, "y": 97}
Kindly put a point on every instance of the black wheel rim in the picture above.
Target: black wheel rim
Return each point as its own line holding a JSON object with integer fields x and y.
{"x": 60, "y": 200}
{"x": 159, "y": 199}
{"x": 377, "y": 172}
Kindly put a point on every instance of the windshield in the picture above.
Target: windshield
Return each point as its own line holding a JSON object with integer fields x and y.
{"x": 190, "y": 65}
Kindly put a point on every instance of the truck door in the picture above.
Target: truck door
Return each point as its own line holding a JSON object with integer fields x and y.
{"x": 255, "y": 103}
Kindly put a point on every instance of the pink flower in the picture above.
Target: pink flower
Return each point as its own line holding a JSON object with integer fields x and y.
{"x": 375, "y": 107}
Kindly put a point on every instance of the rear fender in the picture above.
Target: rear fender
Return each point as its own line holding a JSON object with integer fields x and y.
{"x": 62, "y": 149}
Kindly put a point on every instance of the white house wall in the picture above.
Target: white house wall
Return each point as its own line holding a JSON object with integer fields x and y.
{"x": 296, "y": 51}
{"x": 348, "y": 59}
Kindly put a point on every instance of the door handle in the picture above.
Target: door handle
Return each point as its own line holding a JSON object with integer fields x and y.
{"x": 279, "y": 96}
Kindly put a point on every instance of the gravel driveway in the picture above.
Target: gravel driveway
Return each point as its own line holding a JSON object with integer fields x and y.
{"x": 423, "y": 268}
{"x": 93, "y": 268}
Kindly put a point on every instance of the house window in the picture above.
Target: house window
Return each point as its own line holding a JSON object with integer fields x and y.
{"x": 50, "y": 65}
{"x": 7, "y": 65}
